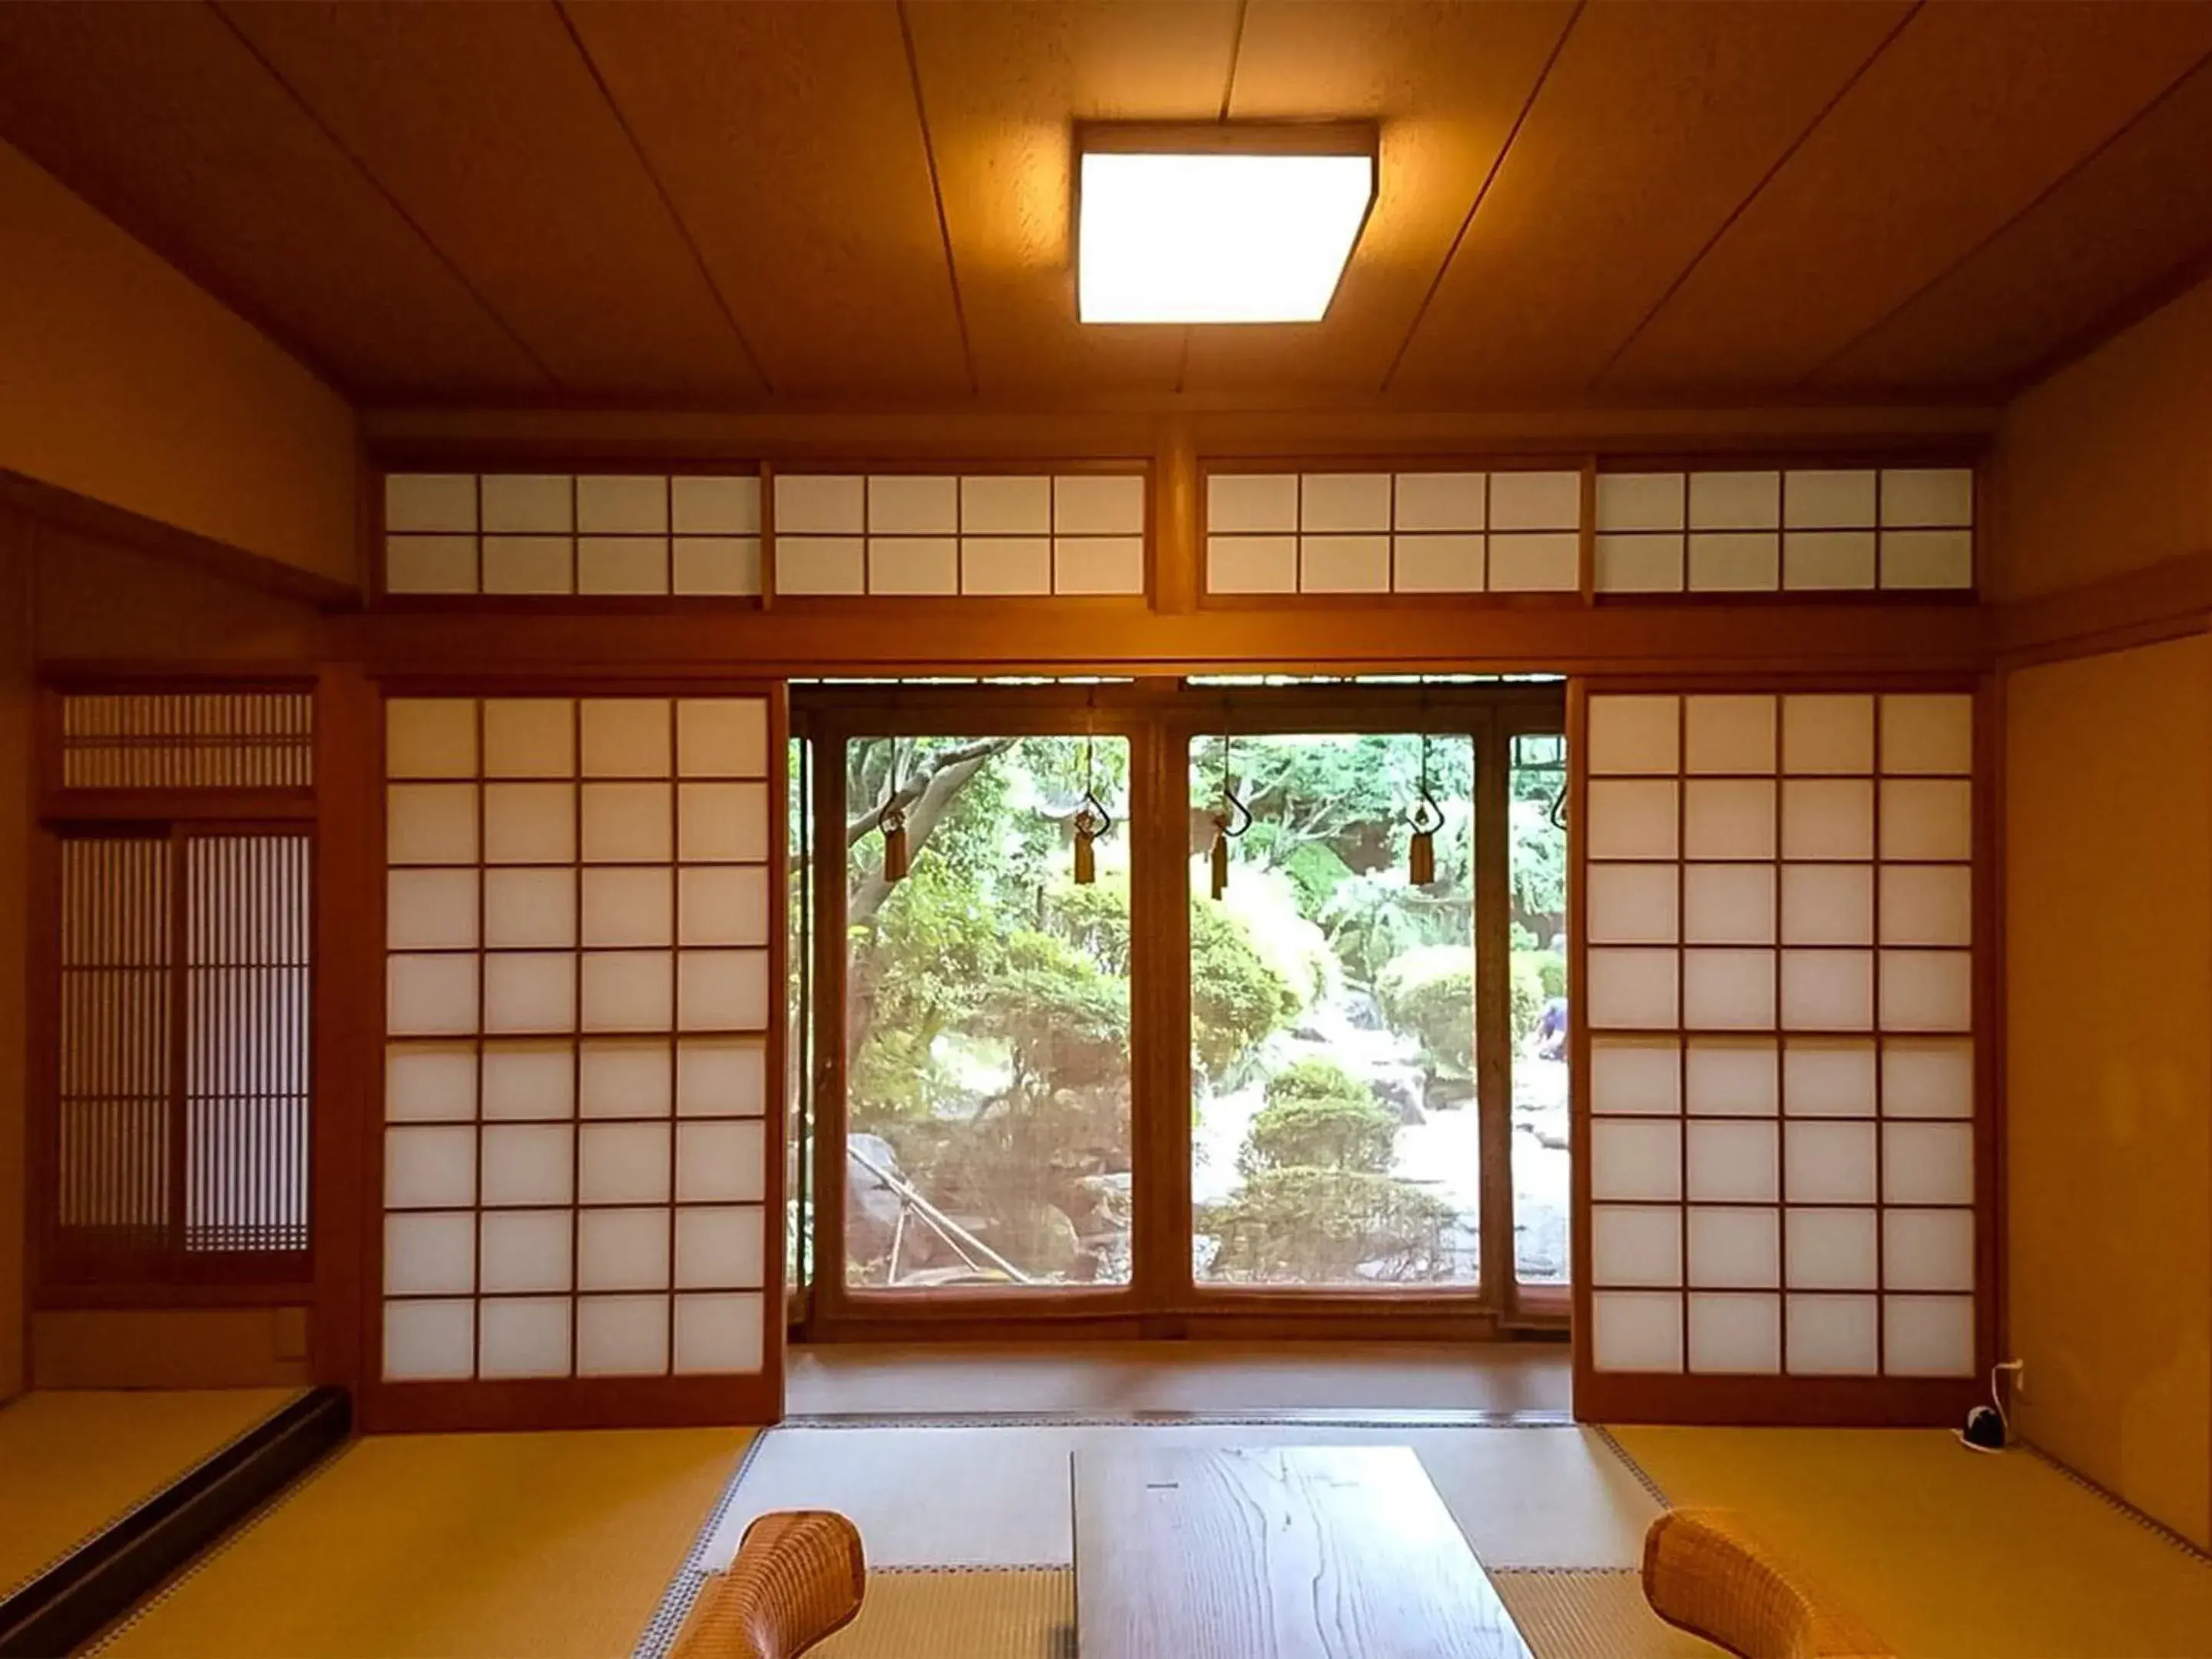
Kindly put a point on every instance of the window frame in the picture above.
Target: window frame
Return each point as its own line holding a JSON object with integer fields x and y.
{"x": 62, "y": 1274}
{"x": 1159, "y": 718}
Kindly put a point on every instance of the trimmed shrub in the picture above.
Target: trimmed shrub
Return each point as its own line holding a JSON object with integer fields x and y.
{"x": 1321, "y": 1133}
{"x": 1429, "y": 992}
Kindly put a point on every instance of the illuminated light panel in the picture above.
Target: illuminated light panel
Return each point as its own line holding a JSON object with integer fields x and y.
{"x": 1216, "y": 238}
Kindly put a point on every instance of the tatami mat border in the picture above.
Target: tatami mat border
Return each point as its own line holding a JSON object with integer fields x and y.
{"x": 2114, "y": 1500}
{"x": 1643, "y": 1476}
{"x": 684, "y": 1588}
{"x": 145, "y": 1499}
{"x": 229, "y": 1541}
{"x": 1167, "y": 1420}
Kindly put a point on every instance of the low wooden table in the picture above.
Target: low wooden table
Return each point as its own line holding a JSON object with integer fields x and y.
{"x": 1276, "y": 1553}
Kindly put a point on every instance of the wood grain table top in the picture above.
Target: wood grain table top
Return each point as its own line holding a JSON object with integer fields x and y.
{"x": 1276, "y": 1553}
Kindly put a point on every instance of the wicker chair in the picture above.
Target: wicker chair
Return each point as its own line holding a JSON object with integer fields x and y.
{"x": 798, "y": 1577}
{"x": 1705, "y": 1572}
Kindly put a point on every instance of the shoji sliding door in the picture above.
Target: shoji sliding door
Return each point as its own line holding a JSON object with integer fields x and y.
{"x": 1783, "y": 1169}
{"x": 583, "y": 931}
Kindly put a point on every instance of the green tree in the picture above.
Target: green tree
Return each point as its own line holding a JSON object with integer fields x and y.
{"x": 1237, "y": 998}
{"x": 1429, "y": 992}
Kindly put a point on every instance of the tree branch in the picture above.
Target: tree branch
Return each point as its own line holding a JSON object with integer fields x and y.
{"x": 947, "y": 777}
{"x": 913, "y": 788}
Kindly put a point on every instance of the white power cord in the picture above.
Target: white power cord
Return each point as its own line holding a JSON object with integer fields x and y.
{"x": 1996, "y": 1399}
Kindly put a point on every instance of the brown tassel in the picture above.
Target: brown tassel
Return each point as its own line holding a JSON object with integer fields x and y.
{"x": 894, "y": 827}
{"x": 1421, "y": 858}
{"x": 1220, "y": 857}
{"x": 1086, "y": 861}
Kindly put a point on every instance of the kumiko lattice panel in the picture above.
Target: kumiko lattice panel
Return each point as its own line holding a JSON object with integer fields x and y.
{"x": 1779, "y": 912}
{"x": 579, "y": 998}
{"x": 1394, "y": 532}
{"x": 246, "y": 739}
{"x": 180, "y": 1144}
{"x": 1803, "y": 531}
{"x": 909, "y": 535}
{"x": 555, "y": 535}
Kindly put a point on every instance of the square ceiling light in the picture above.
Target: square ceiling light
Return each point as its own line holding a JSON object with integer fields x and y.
{"x": 1218, "y": 223}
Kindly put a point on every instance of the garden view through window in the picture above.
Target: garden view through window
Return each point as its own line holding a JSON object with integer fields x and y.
{"x": 986, "y": 1016}
{"x": 1335, "y": 1138}
{"x": 1106, "y": 1004}
{"x": 1537, "y": 872}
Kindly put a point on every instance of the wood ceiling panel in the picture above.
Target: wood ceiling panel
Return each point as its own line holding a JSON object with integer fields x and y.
{"x": 2137, "y": 211}
{"x": 160, "y": 118}
{"x": 787, "y": 136}
{"x": 1653, "y": 126}
{"x": 1448, "y": 83}
{"x": 1002, "y": 85}
{"x": 1969, "y": 114}
{"x": 485, "y": 123}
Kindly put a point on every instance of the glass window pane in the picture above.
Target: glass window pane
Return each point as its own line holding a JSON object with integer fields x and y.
{"x": 1536, "y": 866}
{"x": 1335, "y": 1135}
{"x": 986, "y": 1016}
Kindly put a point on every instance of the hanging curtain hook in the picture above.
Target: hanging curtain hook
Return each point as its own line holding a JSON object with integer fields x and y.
{"x": 1231, "y": 819}
{"x": 892, "y": 822}
{"x": 1091, "y": 818}
{"x": 1427, "y": 817}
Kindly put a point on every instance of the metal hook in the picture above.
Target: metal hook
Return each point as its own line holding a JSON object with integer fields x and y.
{"x": 1242, "y": 812}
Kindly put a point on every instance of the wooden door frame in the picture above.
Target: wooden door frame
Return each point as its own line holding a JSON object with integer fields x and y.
{"x": 1160, "y": 717}
{"x": 1784, "y": 1398}
{"x": 562, "y": 1402}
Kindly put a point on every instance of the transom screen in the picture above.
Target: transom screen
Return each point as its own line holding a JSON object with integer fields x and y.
{"x": 260, "y": 739}
{"x": 1780, "y": 996}
{"x": 1394, "y": 532}
{"x": 552, "y": 535}
{"x": 1730, "y": 530}
{"x": 578, "y": 990}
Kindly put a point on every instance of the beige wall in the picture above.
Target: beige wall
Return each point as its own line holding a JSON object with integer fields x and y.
{"x": 2108, "y": 858}
{"x": 2104, "y": 470}
{"x": 15, "y": 670}
{"x": 2108, "y": 467}
{"x": 65, "y": 596}
{"x": 170, "y": 1348}
{"x": 122, "y": 381}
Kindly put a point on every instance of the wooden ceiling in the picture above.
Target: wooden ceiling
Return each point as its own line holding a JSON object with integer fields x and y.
{"x": 595, "y": 202}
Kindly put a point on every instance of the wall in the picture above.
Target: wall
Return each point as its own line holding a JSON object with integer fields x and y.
{"x": 2103, "y": 468}
{"x": 2103, "y": 474}
{"x": 15, "y": 676}
{"x": 121, "y": 381}
{"x": 68, "y": 597}
{"x": 2109, "y": 870}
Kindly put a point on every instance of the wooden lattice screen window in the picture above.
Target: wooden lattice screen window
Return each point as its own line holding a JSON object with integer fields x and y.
{"x": 246, "y": 739}
{"x": 173, "y": 1150}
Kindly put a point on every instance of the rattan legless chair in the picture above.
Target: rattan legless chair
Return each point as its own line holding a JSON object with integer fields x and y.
{"x": 1705, "y": 1572}
{"x": 798, "y": 1577}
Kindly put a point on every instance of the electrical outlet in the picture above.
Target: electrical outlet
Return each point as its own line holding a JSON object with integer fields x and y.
{"x": 2019, "y": 1370}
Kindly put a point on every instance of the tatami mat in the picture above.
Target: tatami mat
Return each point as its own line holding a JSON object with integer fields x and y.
{"x": 1029, "y": 1613}
{"x": 453, "y": 1546}
{"x": 1014, "y": 1614}
{"x": 1944, "y": 1552}
{"x": 1593, "y": 1615}
{"x": 71, "y": 1464}
{"x": 1000, "y": 1497}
